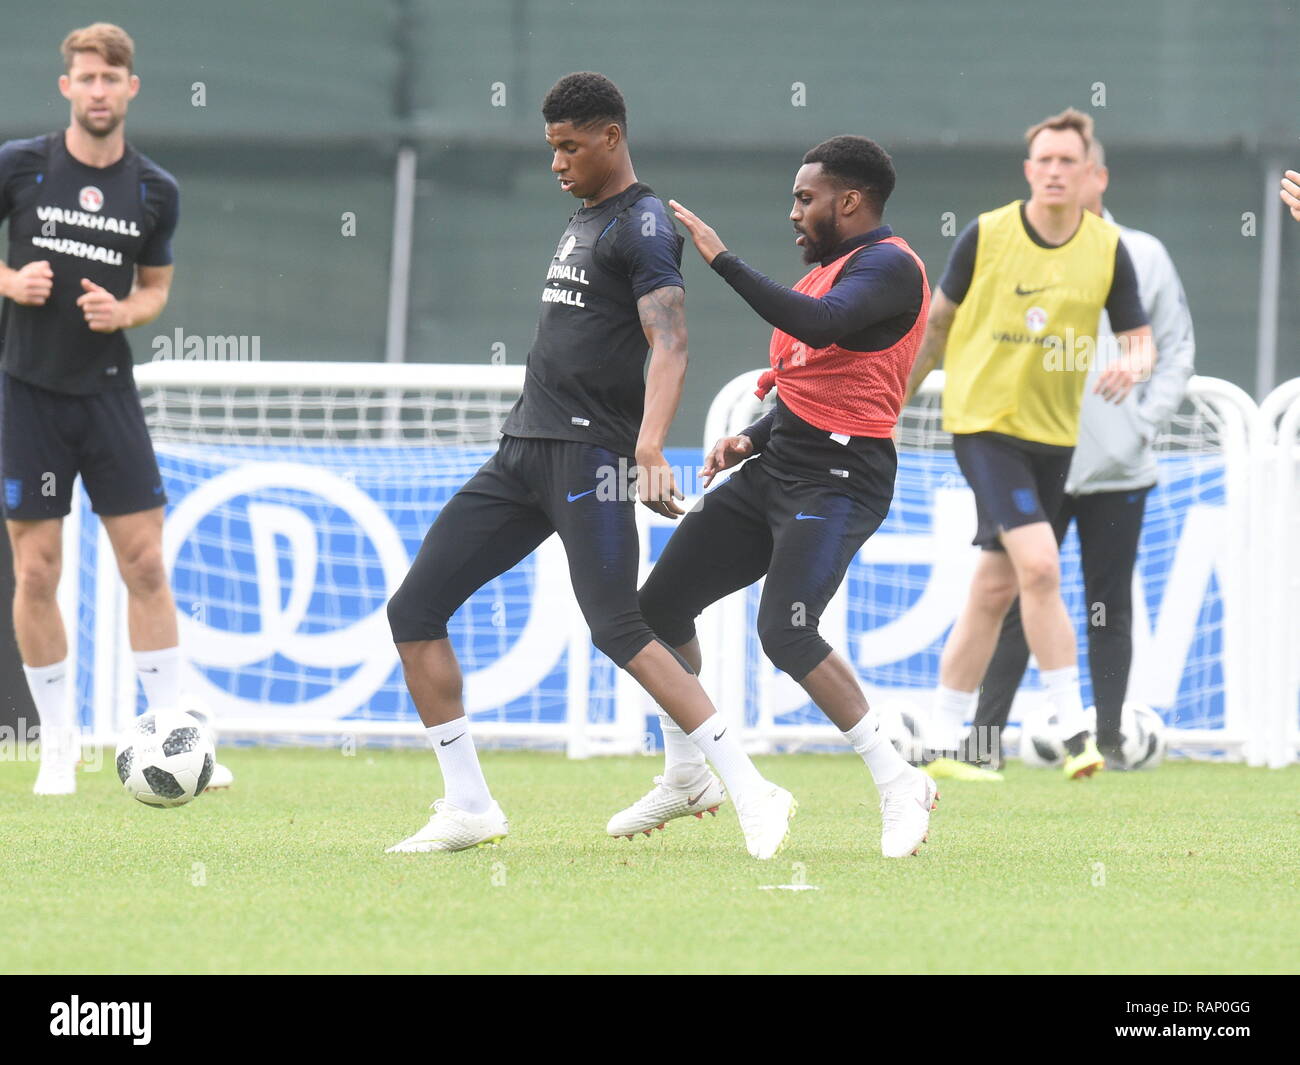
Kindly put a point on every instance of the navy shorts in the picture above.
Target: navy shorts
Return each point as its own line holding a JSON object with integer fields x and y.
{"x": 528, "y": 490}
{"x": 47, "y": 438}
{"x": 1016, "y": 482}
{"x": 801, "y": 534}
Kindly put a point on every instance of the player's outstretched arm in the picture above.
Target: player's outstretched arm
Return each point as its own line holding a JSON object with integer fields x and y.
{"x": 105, "y": 313}
{"x": 1291, "y": 193}
{"x": 663, "y": 318}
{"x": 942, "y": 312}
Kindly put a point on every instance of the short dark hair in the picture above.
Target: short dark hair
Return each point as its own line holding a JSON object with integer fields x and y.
{"x": 584, "y": 99}
{"x": 856, "y": 163}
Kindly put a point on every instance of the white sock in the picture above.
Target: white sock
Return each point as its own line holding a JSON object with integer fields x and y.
{"x": 683, "y": 761}
{"x": 462, "y": 778}
{"x": 160, "y": 673}
{"x": 49, "y": 688}
{"x": 1061, "y": 689}
{"x": 720, "y": 745}
{"x": 948, "y": 719}
{"x": 882, "y": 758}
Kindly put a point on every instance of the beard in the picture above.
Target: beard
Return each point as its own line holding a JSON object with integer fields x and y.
{"x": 822, "y": 239}
{"x": 104, "y": 129}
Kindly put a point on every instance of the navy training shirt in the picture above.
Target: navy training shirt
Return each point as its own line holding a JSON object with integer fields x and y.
{"x": 93, "y": 222}
{"x": 585, "y": 378}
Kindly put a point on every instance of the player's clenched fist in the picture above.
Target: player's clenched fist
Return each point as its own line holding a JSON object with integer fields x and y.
{"x": 726, "y": 453}
{"x": 102, "y": 309}
{"x": 31, "y": 286}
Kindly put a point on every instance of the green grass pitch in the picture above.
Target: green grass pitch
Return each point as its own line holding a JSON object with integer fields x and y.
{"x": 1190, "y": 868}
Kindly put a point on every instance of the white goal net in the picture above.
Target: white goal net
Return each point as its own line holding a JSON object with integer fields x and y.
{"x": 1192, "y": 655}
{"x": 299, "y": 493}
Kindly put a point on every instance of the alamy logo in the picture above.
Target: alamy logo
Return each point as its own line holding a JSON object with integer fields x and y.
{"x": 568, "y": 247}
{"x": 103, "y": 1018}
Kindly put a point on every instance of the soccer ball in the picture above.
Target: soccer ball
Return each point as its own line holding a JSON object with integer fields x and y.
{"x": 165, "y": 758}
{"x": 901, "y": 722}
{"x": 1041, "y": 744}
{"x": 1142, "y": 732}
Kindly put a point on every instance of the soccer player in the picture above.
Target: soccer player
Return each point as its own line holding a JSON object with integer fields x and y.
{"x": 90, "y": 229}
{"x": 1111, "y": 472}
{"x": 588, "y": 407}
{"x": 1016, "y": 316}
{"x": 1290, "y": 192}
{"x": 821, "y": 477}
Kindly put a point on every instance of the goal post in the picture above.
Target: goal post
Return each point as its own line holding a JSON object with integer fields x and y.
{"x": 1197, "y": 656}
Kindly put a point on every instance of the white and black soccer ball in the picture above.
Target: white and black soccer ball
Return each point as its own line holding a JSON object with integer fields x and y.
{"x": 165, "y": 758}
{"x": 902, "y": 723}
{"x": 1142, "y": 732}
{"x": 1041, "y": 744}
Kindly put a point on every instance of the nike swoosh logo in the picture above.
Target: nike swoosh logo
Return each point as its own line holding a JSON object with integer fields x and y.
{"x": 54, "y": 680}
{"x": 448, "y": 743}
{"x": 807, "y": 517}
{"x": 718, "y": 737}
{"x": 588, "y": 492}
{"x": 148, "y": 669}
{"x": 697, "y": 798}
{"x": 1030, "y": 291}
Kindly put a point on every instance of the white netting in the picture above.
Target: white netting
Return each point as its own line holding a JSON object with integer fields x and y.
{"x": 298, "y": 497}
{"x": 901, "y": 594}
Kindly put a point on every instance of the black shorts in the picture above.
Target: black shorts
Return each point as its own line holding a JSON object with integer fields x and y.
{"x": 801, "y": 534}
{"x": 47, "y": 438}
{"x": 1016, "y": 482}
{"x": 529, "y": 489}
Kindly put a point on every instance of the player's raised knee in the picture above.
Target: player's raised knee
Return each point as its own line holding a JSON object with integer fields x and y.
{"x": 793, "y": 648}
{"x": 409, "y": 623}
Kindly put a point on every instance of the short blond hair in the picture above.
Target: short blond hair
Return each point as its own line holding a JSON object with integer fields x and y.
{"x": 1070, "y": 118}
{"x": 111, "y": 43}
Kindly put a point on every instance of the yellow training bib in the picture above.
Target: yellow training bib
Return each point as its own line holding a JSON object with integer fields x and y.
{"x": 1024, "y": 338}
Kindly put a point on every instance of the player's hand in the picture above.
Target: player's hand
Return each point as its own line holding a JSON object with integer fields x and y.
{"x": 31, "y": 286}
{"x": 656, "y": 486}
{"x": 1116, "y": 382}
{"x": 727, "y": 452}
{"x": 1291, "y": 193}
{"x": 103, "y": 310}
{"x": 707, "y": 242}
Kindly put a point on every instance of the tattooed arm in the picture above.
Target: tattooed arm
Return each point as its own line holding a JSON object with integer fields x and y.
{"x": 663, "y": 317}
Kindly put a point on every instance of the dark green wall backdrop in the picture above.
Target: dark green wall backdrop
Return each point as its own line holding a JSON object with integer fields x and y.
{"x": 304, "y": 105}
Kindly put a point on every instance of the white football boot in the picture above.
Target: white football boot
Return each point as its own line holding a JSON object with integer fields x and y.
{"x": 663, "y": 803}
{"x": 765, "y": 819}
{"x": 60, "y": 753}
{"x": 453, "y": 829}
{"x": 221, "y": 776}
{"x": 905, "y": 806}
